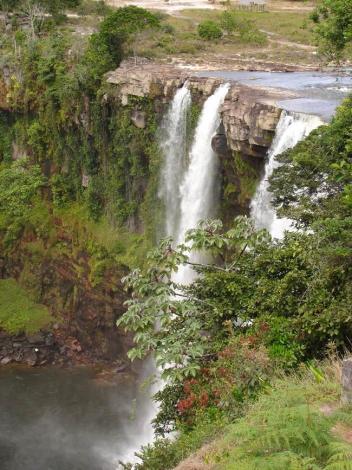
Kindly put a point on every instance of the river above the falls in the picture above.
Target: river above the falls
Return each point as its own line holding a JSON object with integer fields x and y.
{"x": 314, "y": 92}
{"x": 68, "y": 419}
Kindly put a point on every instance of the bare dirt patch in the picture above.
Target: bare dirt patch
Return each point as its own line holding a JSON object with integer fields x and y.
{"x": 343, "y": 431}
{"x": 198, "y": 460}
{"x": 174, "y": 6}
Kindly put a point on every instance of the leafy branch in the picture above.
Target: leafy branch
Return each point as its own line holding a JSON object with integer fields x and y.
{"x": 168, "y": 318}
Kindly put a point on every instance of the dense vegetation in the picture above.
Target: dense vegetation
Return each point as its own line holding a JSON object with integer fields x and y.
{"x": 334, "y": 27}
{"x": 18, "y": 311}
{"x": 85, "y": 181}
{"x": 264, "y": 305}
{"x": 296, "y": 423}
{"x": 85, "y": 178}
{"x": 59, "y": 117}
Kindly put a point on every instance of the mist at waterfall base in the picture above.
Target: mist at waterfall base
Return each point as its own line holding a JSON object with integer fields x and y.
{"x": 291, "y": 129}
{"x": 190, "y": 183}
{"x": 60, "y": 419}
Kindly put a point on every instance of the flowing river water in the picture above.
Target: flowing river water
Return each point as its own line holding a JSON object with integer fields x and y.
{"x": 54, "y": 419}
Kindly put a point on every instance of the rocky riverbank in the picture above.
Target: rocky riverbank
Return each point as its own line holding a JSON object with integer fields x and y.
{"x": 52, "y": 348}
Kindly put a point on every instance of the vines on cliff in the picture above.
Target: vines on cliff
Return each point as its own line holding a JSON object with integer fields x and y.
{"x": 85, "y": 142}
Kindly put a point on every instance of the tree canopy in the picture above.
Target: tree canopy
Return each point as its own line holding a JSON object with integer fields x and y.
{"x": 333, "y": 20}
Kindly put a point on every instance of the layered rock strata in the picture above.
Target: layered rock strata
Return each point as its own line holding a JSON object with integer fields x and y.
{"x": 249, "y": 114}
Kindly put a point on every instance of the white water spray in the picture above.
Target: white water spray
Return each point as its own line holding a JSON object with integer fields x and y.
{"x": 292, "y": 128}
{"x": 200, "y": 187}
{"x": 173, "y": 145}
{"x": 190, "y": 193}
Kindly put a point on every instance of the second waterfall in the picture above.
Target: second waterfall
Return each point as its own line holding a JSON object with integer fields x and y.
{"x": 190, "y": 186}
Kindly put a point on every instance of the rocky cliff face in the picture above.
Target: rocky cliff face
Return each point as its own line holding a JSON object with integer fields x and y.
{"x": 84, "y": 310}
{"x": 134, "y": 103}
{"x": 249, "y": 114}
{"x": 249, "y": 123}
{"x": 249, "y": 117}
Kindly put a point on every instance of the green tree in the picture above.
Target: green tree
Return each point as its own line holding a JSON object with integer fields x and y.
{"x": 184, "y": 321}
{"x": 333, "y": 30}
{"x": 106, "y": 48}
{"x": 209, "y": 30}
{"x": 229, "y": 21}
{"x": 298, "y": 288}
{"x": 311, "y": 183}
{"x": 19, "y": 185}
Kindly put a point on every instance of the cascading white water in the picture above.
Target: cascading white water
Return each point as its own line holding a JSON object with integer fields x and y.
{"x": 200, "y": 185}
{"x": 292, "y": 128}
{"x": 173, "y": 144}
{"x": 189, "y": 192}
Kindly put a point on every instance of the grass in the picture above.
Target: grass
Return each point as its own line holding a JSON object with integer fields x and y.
{"x": 274, "y": 38}
{"x": 286, "y": 428}
{"x": 18, "y": 313}
{"x": 125, "y": 247}
{"x": 292, "y": 26}
{"x": 297, "y": 423}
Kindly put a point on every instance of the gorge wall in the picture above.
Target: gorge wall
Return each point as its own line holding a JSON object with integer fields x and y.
{"x": 101, "y": 210}
{"x": 249, "y": 114}
{"x": 249, "y": 117}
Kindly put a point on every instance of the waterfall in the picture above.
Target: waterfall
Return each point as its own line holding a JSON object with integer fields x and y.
{"x": 173, "y": 141}
{"x": 189, "y": 183}
{"x": 292, "y": 128}
{"x": 173, "y": 144}
{"x": 199, "y": 189}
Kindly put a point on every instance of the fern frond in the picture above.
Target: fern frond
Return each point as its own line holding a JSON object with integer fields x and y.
{"x": 340, "y": 456}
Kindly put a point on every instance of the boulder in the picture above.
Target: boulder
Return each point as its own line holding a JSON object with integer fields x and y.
{"x": 30, "y": 357}
{"x": 138, "y": 118}
{"x": 5, "y": 360}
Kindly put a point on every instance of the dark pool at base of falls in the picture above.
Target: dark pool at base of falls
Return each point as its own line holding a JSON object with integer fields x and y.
{"x": 57, "y": 419}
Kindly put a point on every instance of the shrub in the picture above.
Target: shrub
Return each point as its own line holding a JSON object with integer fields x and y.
{"x": 92, "y": 7}
{"x": 105, "y": 49}
{"x": 18, "y": 313}
{"x": 209, "y": 30}
{"x": 229, "y": 21}
{"x": 243, "y": 28}
{"x": 20, "y": 185}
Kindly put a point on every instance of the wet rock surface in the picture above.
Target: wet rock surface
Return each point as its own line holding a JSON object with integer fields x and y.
{"x": 249, "y": 124}
{"x": 53, "y": 348}
{"x": 249, "y": 114}
{"x": 84, "y": 310}
{"x": 32, "y": 350}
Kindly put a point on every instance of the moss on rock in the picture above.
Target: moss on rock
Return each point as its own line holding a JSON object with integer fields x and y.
{"x": 18, "y": 312}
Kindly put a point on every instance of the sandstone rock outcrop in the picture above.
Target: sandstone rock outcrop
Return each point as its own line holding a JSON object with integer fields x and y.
{"x": 249, "y": 114}
{"x": 158, "y": 81}
{"x": 249, "y": 123}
